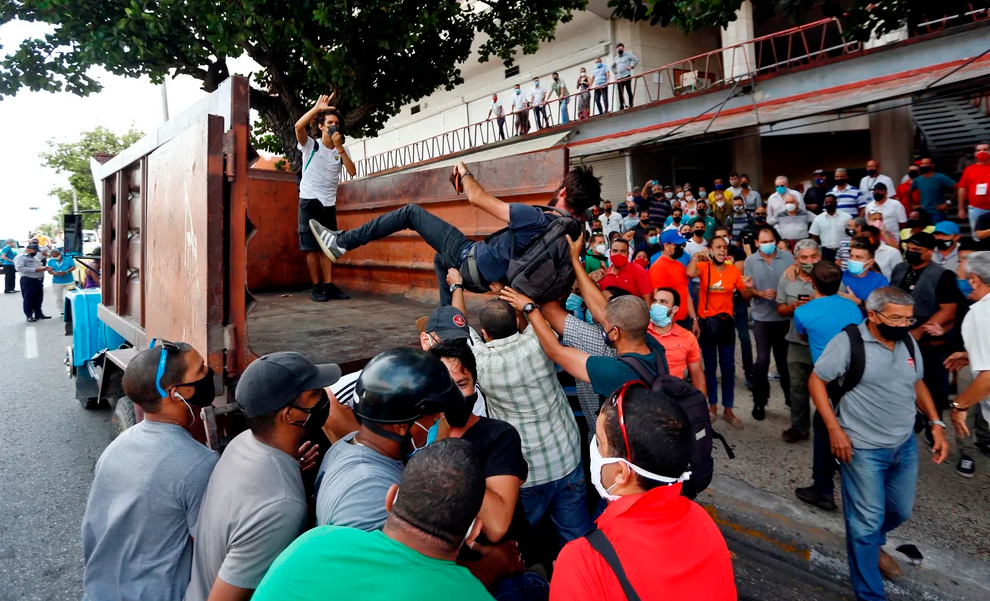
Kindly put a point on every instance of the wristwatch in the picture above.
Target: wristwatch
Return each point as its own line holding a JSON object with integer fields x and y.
{"x": 937, "y": 422}
{"x": 456, "y": 286}
{"x": 529, "y": 308}
{"x": 956, "y": 407}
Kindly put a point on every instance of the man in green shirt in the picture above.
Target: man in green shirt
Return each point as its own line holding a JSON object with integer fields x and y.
{"x": 560, "y": 89}
{"x": 413, "y": 557}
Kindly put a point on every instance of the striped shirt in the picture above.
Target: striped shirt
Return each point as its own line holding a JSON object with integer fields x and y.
{"x": 850, "y": 200}
{"x": 739, "y": 223}
{"x": 521, "y": 385}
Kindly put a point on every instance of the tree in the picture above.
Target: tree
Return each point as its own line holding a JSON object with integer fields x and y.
{"x": 72, "y": 158}
{"x": 861, "y": 20}
{"x": 375, "y": 56}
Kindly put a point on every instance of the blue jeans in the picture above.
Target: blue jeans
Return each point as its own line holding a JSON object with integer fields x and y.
{"x": 524, "y": 586}
{"x": 740, "y": 311}
{"x": 726, "y": 357}
{"x": 974, "y": 214}
{"x": 877, "y": 494}
{"x": 936, "y": 216}
{"x": 565, "y": 499}
{"x": 564, "y": 117}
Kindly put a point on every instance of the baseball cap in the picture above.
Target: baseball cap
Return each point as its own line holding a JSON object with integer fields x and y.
{"x": 922, "y": 239}
{"x": 949, "y": 228}
{"x": 274, "y": 381}
{"x": 449, "y": 324}
{"x": 672, "y": 237}
{"x": 31, "y": 246}
{"x": 880, "y": 186}
{"x": 819, "y": 172}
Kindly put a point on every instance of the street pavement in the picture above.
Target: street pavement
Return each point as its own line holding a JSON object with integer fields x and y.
{"x": 49, "y": 445}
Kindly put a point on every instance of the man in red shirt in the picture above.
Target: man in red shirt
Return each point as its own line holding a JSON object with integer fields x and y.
{"x": 624, "y": 274}
{"x": 669, "y": 272}
{"x": 909, "y": 200}
{"x": 974, "y": 186}
{"x": 667, "y": 545}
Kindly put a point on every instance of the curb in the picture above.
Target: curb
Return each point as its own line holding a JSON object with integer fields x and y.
{"x": 814, "y": 541}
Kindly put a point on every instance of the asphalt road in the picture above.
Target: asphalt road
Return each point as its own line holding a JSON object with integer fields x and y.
{"x": 49, "y": 445}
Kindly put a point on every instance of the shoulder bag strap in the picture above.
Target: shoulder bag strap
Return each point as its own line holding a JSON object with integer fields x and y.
{"x": 857, "y": 359}
{"x": 316, "y": 146}
{"x": 600, "y": 543}
{"x": 640, "y": 369}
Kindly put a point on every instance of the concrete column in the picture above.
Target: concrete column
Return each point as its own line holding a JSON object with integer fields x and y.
{"x": 892, "y": 137}
{"x": 738, "y": 62}
{"x": 747, "y": 156}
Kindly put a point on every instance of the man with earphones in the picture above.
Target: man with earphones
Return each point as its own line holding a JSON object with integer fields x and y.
{"x": 143, "y": 508}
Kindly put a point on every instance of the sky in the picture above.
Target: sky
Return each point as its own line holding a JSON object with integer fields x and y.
{"x": 30, "y": 119}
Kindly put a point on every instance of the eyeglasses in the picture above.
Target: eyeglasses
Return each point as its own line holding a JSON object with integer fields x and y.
{"x": 319, "y": 406}
{"x": 166, "y": 347}
{"x": 616, "y": 401}
{"x": 899, "y": 321}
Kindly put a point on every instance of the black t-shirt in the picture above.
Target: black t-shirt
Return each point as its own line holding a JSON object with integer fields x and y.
{"x": 500, "y": 448}
{"x": 983, "y": 223}
{"x": 639, "y": 233}
{"x": 816, "y": 196}
{"x": 946, "y": 292}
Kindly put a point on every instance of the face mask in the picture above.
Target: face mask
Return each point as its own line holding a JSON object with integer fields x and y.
{"x": 678, "y": 252}
{"x": 945, "y": 244}
{"x": 629, "y": 198}
{"x": 331, "y": 130}
{"x": 850, "y": 232}
{"x": 702, "y": 193}
{"x": 893, "y": 333}
{"x": 652, "y": 240}
{"x": 518, "y": 92}
{"x": 555, "y": 78}
{"x": 660, "y": 315}
{"x": 719, "y": 186}
{"x": 600, "y": 249}
{"x": 913, "y": 223}
{"x": 317, "y": 416}
{"x": 790, "y": 206}
{"x": 608, "y": 341}
{"x": 536, "y": 83}
{"x": 701, "y": 212}
{"x": 807, "y": 267}
{"x": 689, "y": 198}
{"x": 759, "y": 218}
{"x": 841, "y": 181}
{"x": 925, "y": 169}
{"x": 965, "y": 287}
{"x": 830, "y": 208}
{"x": 680, "y": 195}
{"x": 204, "y": 391}
{"x": 431, "y": 435}
{"x": 819, "y": 181}
{"x": 598, "y": 462}
{"x": 739, "y": 210}
{"x": 744, "y": 185}
{"x": 608, "y": 210}
{"x": 855, "y": 267}
{"x": 720, "y": 203}
{"x": 588, "y": 318}
{"x": 913, "y": 257}
{"x": 642, "y": 262}
{"x": 879, "y": 196}
{"x": 781, "y": 189}
{"x": 871, "y": 172}
{"x": 913, "y": 174}
{"x": 768, "y": 248}
{"x": 668, "y": 195}
{"x": 676, "y": 220}
{"x": 573, "y": 303}
{"x": 699, "y": 233}
{"x": 619, "y": 260}
{"x": 877, "y": 223}
{"x": 983, "y": 156}
{"x": 583, "y": 72}
{"x": 621, "y": 52}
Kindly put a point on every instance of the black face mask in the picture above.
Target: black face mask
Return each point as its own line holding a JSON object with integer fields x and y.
{"x": 678, "y": 252}
{"x": 913, "y": 174}
{"x": 945, "y": 244}
{"x": 205, "y": 391}
{"x": 331, "y": 130}
{"x": 458, "y": 418}
{"x": 871, "y": 172}
{"x": 759, "y": 218}
{"x": 925, "y": 169}
{"x": 701, "y": 212}
{"x": 913, "y": 257}
{"x": 676, "y": 220}
{"x": 699, "y": 233}
{"x": 913, "y": 223}
{"x": 841, "y": 181}
{"x": 893, "y": 333}
{"x": 744, "y": 185}
{"x": 318, "y": 415}
{"x": 850, "y": 232}
{"x": 830, "y": 208}
{"x": 879, "y": 196}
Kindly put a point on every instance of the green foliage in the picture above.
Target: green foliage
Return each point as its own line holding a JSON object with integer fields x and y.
{"x": 72, "y": 158}
{"x": 375, "y": 55}
{"x": 47, "y": 228}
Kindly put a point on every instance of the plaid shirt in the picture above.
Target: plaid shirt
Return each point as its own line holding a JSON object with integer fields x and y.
{"x": 587, "y": 338}
{"x": 521, "y": 387}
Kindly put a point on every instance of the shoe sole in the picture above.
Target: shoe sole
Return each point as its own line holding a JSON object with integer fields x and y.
{"x": 965, "y": 475}
{"x": 319, "y": 241}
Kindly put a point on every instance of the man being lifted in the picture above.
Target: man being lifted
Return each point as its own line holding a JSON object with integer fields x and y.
{"x": 319, "y": 176}
{"x": 480, "y": 263}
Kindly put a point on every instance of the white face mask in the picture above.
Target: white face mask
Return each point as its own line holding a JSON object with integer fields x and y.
{"x": 597, "y": 462}
{"x": 668, "y": 195}
{"x": 720, "y": 203}
{"x": 790, "y": 206}
{"x": 629, "y": 198}
{"x": 600, "y": 249}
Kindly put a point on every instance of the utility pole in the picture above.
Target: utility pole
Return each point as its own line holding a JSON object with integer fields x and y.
{"x": 164, "y": 102}
{"x": 75, "y": 202}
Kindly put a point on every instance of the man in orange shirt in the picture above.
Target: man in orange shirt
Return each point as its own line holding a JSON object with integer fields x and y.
{"x": 667, "y": 546}
{"x": 624, "y": 274}
{"x": 668, "y": 272}
{"x": 682, "y": 348}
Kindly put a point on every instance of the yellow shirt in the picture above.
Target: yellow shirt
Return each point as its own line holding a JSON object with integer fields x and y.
{"x": 726, "y": 192}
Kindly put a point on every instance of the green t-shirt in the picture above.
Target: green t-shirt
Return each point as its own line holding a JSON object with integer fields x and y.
{"x": 592, "y": 262}
{"x": 331, "y": 562}
{"x": 608, "y": 374}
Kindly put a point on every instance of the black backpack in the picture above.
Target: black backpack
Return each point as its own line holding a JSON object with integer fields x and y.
{"x": 857, "y": 364}
{"x": 542, "y": 270}
{"x": 696, "y": 406}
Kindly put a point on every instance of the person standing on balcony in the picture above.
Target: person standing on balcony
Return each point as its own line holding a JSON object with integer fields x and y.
{"x": 622, "y": 68}
{"x": 318, "y": 179}
{"x": 519, "y": 110}
{"x": 974, "y": 187}
{"x": 871, "y": 179}
{"x": 600, "y": 82}
{"x": 538, "y": 99}
{"x": 496, "y": 110}
{"x": 934, "y": 188}
{"x": 584, "y": 100}
{"x": 560, "y": 89}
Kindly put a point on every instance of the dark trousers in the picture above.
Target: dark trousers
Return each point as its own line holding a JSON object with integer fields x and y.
{"x": 936, "y": 376}
{"x": 601, "y": 95}
{"x": 770, "y": 337}
{"x": 625, "y": 84}
{"x": 451, "y": 245}
{"x": 9, "y": 276}
{"x": 501, "y": 128}
{"x": 829, "y": 253}
{"x": 740, "y": 311}
{"x": 823, "y": 465}
{"x": 726, "y": 358}
{"x": 541, "y": 117}
{"x": 33, "y": 292}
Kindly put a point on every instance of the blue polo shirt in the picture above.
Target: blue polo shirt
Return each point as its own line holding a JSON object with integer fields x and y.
{"x": 8, "y": 255}
{"x": 863, "y": 286}
{"x": 933, "y": 190}
{"x": 62, "y": 265}
{"x": 821, "y": 319}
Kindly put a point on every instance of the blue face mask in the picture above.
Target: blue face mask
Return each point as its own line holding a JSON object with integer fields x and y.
{"x": 781, "y": 189}
{"x": 768, "y": 248}
{"x": 608, "y": 341}
{"x": 855, "y": 267}
{"x": 965, "y": 287}
{"x": 652, "y": 240}
{"x": 573, "y": 302}
{"x": 518, "y": 92}
{"x": 431, "y": 436}
{"x": 660, "y": 315}
{"x": 588, "y": 317}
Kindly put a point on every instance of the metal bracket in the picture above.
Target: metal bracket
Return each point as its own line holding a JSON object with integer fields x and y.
{"x": 230, "y": 154}
{"x": 229, "y": 348}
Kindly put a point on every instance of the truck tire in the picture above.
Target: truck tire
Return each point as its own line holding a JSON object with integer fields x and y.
{"x": 123, "y": 415}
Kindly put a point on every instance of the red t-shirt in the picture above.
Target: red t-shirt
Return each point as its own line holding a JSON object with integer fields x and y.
{"x": 669, "y": 273}
{"x": 976, "y": 180}
{"x": 632, "y": 278}
{"x": 908, "y": 199}
{"x": 670, "y": 548}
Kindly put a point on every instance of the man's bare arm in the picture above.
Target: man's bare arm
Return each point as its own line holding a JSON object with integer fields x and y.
{"x": 593, "y": 297}
{"x": 572, "y": 360}
{"x": 345, "y": 158}
{"x": 481, "y": 199}
{"x": 302, "y": 126}
{"x": 501, "y": 495}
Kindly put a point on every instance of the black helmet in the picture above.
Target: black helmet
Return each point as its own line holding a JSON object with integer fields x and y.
{"x": 402, "y": 385}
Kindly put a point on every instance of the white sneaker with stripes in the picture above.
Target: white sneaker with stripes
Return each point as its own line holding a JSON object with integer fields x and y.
{"x": 327, "y": 239}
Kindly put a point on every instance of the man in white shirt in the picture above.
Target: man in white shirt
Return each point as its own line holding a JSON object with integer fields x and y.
{"x": 893, "y": 213}
{"x": 611, "y": 220}
{"x": 318, "y": 179}
{"x": 829, "y": 227}
{"x": 887, "y": 257}
{"x": 776, "y": 202}
{"x": 976, "y": 337}
{"x": 519, "y": 110}
{"x": 874, "y": 177}
{"x": 538, "y": 98}
{"x": 496, "y": 110}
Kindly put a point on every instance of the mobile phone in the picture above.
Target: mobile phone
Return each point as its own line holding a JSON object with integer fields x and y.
{"x": 804, "y": 296}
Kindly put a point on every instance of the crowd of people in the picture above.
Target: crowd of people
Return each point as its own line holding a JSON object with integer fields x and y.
{"x": 42, "y": 255}
{"x": 437, "y": 472}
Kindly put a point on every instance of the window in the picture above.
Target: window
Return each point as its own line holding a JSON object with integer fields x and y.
{"x": 414, "y": 109}
{"x": 512, "y": 71}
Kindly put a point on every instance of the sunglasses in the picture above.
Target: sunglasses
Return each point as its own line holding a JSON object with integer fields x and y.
{"x": 166, "y": 347}
{"x": 616, "y": 401}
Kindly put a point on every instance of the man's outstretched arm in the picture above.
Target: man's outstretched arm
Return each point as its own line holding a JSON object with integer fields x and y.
{"x": 302, "y": 126}
{"x": 593, "y": 297}
{"x": 481, "y": 199}
{"x": 572, "y": 360}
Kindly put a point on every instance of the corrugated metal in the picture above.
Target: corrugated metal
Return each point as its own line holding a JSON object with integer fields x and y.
{"x": 612, "y": 171}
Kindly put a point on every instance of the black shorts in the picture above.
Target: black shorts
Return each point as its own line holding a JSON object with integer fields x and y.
{"x": 311, "y": 208}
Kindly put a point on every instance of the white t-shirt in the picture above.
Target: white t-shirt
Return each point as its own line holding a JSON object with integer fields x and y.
{"x": 343, "y": 389}
{"x": 976, "y": 338}
{"x": 887, "y": 257}
{"x": 518, "y": 101}
{"x": 866, "y": 185}
{"x": 830, "y": 228}
{"x": 496, "y": 109}
{"x": 537, "y": 95}
{"x": 321, "y": 172}
{"x": 893, "y": 213}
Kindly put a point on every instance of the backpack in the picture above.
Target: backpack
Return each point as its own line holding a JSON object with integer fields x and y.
{"x": 542, "y": 270}
{"x": 857, "y": 365}
{"x": 695, "y": 405}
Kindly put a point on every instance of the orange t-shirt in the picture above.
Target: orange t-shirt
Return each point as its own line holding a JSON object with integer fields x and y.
{"x": 715, "y": 296}
{"x": 669, "y": 273}
{"x": 680, "y": 346}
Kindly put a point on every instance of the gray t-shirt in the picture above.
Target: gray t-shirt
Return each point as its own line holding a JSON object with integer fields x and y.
{"x": 142, "y": 512}
{"x": 351, "y": 486}
{"x": 254, "y": 507}
{"x": 788, "y": 293}
{"x": 879, "y": 412}
{"x": 765, "y": 277}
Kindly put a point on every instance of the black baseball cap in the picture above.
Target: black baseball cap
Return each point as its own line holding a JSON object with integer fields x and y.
{"x": 274, "y": 381}
{"x": 880, "y": 186}
{"x": 923, "y": 239}
{"x": 449, "y": 324}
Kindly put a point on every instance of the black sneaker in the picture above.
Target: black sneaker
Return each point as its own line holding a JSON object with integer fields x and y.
{"x": 32, "y": 319}
{"x": 759, "y": 412}
{"x": 792, "y": 434}
{"x": 966, "y": 466}
{"x": 43, "y": 316}
{"x": 319, "y": 294}
{"x": 327, "y": 239}
{"x": 332, "y": 292}
{"x": 811, "y": 496}
{"x": 983, "y": 447}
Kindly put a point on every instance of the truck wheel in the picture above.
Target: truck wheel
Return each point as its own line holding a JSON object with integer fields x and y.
{"x": 123, "y": 415}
